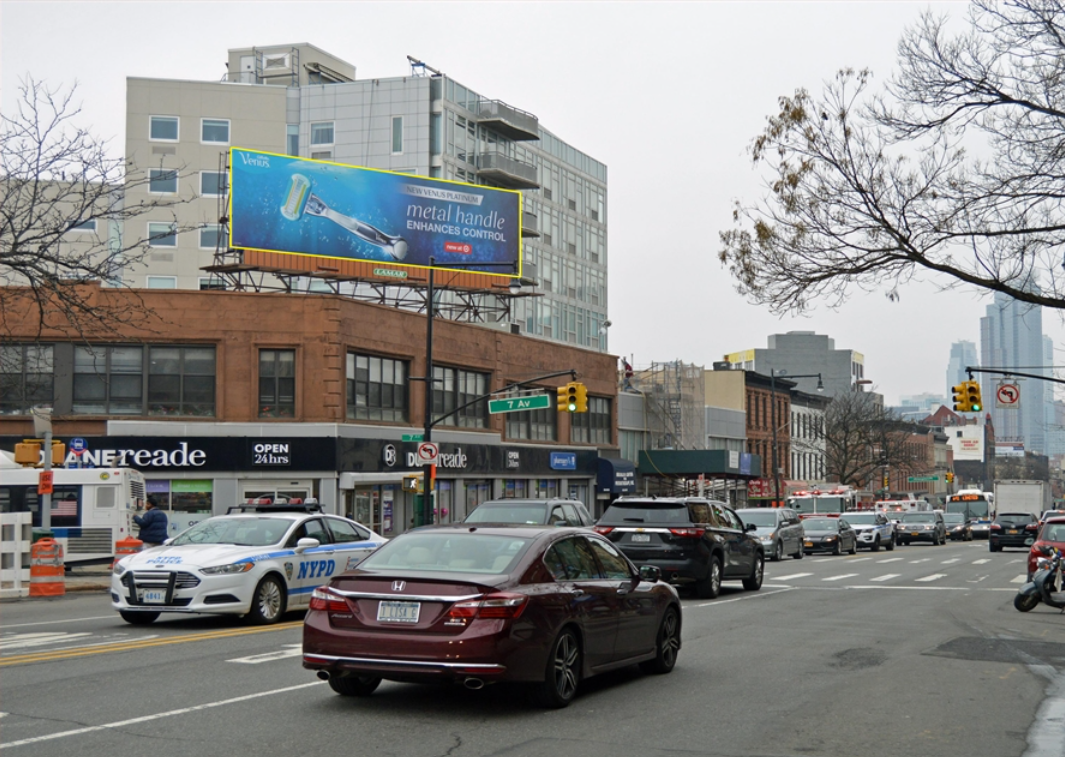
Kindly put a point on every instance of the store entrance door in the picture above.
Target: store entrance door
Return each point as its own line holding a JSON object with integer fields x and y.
{"x": 368, "y": 507}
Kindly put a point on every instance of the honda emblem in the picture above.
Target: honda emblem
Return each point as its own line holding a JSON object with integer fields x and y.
{"x": 398, "y": 585}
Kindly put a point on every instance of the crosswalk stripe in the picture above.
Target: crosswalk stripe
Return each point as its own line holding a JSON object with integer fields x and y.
{"x": 923, "y": 559}
{"x": 948, "y": 562}
{"x": 886, "y": 577}
{"x": 890, "y": 559}
{"x": 857, "y": 559}
{"x": 981, "y": 562}
{"x": 793, "y": 575}
{"x": 840, "y": 578}
{"x": 1019, "y": 580}
{"x": 933, "y": 577}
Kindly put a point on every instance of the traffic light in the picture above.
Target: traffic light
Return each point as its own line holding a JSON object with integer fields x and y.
{"x": 961, "y": 401}
{"x": 563, "y": 398}
{"x": 950, "y": 477}
{"x": 972, "y": 396}
{"x": 582, "y": 398}
{"x": 572, "y": 394}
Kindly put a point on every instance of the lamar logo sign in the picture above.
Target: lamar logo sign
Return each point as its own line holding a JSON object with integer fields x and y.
{"x": 182, "y": 457}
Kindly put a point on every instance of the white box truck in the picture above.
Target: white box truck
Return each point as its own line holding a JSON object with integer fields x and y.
{"x": 1022, "y": 496}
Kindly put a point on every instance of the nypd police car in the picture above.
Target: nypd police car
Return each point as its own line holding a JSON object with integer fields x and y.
{"x": 259, "y": 560}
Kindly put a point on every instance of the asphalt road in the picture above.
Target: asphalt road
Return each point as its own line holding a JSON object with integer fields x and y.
{"x": 912, "y": 652}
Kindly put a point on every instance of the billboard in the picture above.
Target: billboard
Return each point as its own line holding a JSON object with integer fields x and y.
{"x": 278, "y": 203}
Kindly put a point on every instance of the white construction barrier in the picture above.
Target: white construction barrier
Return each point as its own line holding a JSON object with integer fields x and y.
{"x": 16, "y": 534}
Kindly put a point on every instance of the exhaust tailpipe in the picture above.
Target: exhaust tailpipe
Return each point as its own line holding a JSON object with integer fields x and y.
{"x": 474, "y": 684}
{"x": 323, "y": 675}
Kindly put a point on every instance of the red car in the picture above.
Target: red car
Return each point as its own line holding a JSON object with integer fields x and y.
{"x": 1051, "y": 534}
{"x": 482, "y": 604}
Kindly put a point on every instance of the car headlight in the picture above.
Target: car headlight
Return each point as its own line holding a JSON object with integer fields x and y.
{"x": 830, "y": 538}
{"x": 119, "y": 569}
{"x": 236, "y": 567}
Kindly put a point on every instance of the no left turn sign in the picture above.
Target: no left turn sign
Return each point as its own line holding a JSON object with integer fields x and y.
{"x": 428, "y": 453}
{"x": 1007, "y": 396}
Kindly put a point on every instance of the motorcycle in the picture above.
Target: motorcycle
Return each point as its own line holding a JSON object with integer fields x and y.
{"x": 1046, "y": 584}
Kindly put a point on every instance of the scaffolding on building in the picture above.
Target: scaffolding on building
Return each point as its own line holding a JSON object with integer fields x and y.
{"x": 675, "y": 405}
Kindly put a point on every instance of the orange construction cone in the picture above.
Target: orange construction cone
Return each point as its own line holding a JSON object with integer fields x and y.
{"x": 46, "y": 569}
{"x": 127, "y": 546}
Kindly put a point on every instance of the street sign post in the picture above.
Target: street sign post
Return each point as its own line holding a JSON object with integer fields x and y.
{"x": 1007, "y": 397}
{"x": 413, "y": 437}
{"x": 515, "y": 404}
{"x": 428, "y": 453}
{"x": 919, "y": 479}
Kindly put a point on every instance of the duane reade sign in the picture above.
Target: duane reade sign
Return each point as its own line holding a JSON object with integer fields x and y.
{"x": 181, "y": 457}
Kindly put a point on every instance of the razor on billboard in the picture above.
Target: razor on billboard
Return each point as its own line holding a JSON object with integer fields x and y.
{"x": 298, "y": 206}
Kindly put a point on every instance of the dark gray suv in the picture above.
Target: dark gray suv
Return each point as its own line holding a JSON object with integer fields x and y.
{"x": 549, "y": 512}
{"x": 692, "y": 540}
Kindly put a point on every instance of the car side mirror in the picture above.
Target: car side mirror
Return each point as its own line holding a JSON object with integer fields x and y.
{"x": 750, "y": 527}
{"x": 306, "y": 543}
{"x": 650, "y": 573}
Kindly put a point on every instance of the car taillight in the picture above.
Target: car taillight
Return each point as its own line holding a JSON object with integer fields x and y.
{"x": 604, "y": 530}
{"x": 494, "y": 606}
{"x": 325, "y": 600}
{"x": 693, "y": 533}
{"x": 1032, "y": 527}
{"x": 996, "y": 527}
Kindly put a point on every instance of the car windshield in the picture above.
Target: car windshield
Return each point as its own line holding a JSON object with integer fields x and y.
{"x": 861, "y": 519}
{"x": 448, "y": 553}
{"x": 821, "y": 524}
{"x": 919, "y": 518}
{"x": 646, "y": 512}
{"x": 954, "y": 518}
{"x": 499, "y": 513}
{"x": 766, "y": 519}
{"x": 241, "y": 532}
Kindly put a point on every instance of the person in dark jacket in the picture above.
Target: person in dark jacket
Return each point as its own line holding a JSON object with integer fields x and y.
{"x": 152, "y": 523}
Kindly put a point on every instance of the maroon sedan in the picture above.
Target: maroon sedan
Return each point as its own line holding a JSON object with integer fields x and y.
{"x": 482, "y": 604}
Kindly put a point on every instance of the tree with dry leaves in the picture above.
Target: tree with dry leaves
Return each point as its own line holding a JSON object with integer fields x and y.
{"x": 954, "y": 172}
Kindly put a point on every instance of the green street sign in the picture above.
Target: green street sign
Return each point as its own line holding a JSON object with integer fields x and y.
{"x": 413, "y": 437}
{"x": 918, "y": 479}
{"x": 532, "y": 402}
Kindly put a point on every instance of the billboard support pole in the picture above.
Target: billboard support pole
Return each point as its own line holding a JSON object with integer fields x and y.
{"x": 427, "y": 493}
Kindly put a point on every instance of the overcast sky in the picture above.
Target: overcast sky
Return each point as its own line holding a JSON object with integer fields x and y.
{"x": 668, "y": 95}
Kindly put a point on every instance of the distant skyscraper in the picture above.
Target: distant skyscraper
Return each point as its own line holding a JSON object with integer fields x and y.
{"x": 1011, "y": 336}
{"x": 962, "y": 355}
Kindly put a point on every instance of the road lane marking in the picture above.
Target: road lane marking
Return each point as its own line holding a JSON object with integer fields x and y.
{"x": 933, "y": 577}
{"x": 780, "y": 590}
{"x": 948, "y": 562}
{"x": 1019, "y": 580}
{"x": 981, "y": 562}
{"x": 858, "y": 559}
{"x": 923, "y": 559}
{"x": 793, "y": 575}
{"x": 126, "y": 646}
{"x": 289, "y": 650}
{"x": 890, "y": 559}
{"x": 56, "y": 622}
{"x": 18, "y": 640}
{"x": 840, "y": 577}
{"x": 158, "y": 716}
{"x": 886, "y": 577}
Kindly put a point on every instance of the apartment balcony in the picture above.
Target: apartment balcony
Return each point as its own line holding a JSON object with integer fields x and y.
{"x": 508, "y": 121}
{"x": 506, "y": 171}
{"x": 530, "y": 225}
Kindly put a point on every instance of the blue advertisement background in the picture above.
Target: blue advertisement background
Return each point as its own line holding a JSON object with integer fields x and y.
{"x": 260, "y": 183}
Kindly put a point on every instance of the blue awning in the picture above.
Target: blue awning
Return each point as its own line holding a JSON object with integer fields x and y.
{"x": 616, "y": 476}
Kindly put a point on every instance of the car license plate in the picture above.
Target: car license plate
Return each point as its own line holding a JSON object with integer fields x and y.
{"x": 641, "y": 537}
{"x": 153, "y": 596}
{"x": 808, "y": 544}
{"x": 398, "y": 612}
{"x": 1012, "y": 531}
{"x": 915, "y": 533}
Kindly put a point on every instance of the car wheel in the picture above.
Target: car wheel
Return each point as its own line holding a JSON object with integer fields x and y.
{"x": 876, "y": 544}
{"x": 1025, "y": 602}
{"x": 138, "y": 618}
{"x": 268, "y": 604}
{"x": 753, "y": 582}
{"x": 563, "y": 673}
{"x": 778, "y": 552}
{"x": 710, "y": 587}
{"x": 667, "y": 645}
{"x": 991, "y": 548}
{"x": 837, "y": 549}
{"x": 801, "y": 553}
{"x": 854, "y": 547}
{"x": 890, "y": 545}
{"x": 354, "y": 686}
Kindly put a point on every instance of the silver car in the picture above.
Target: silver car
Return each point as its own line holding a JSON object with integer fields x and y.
{"x": 779, "y": 530}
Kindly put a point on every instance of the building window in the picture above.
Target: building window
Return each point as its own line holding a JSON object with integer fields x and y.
{"x": 277, "y": 383}
{"x": 181, "y": 381}
{"x": 536, "y": 425}
{"x": 163, "y": 129}
{"x": 212, "y": 183}
{"x": 162, "y": 282}
{"x": 292, "y": 139}
{"x": 162, "y": 181}
{"x": 162, "y": 235}
{"x": 212, "y": 282}
{"x": 592, "y": 427}
{"x": 109, "y": 380}
{"x": 321, "y": 155}
{"x": 214, "y": 130}
{"x": 26, "y": 377}
{"x": 453, "y": 388}
{"x": 377, "y": 388}
{"x": 89, "y": 225}
{"x": 397, "y": 135}
{"x": 213, "y": 237}
{"x": 322, "y": 134}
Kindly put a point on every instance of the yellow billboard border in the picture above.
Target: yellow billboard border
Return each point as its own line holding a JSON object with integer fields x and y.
{"x": 521, "y": 211}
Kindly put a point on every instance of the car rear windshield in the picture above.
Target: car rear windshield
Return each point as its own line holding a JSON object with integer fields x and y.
{"x": 954, "y": 517}
{"x": 534, "y": 514}
{"x": 919, "y": 518}
{"x": 241, "y": 532}
{"x": 1013, "y": 518}
{"x": 448, "y": 553}
{"x": 863, "y": 519}
{"x": 646, "y": 512}
{"x": 767, "y": 519}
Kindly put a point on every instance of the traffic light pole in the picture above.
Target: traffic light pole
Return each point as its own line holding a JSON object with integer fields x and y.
{"x": 1006, "y": 372}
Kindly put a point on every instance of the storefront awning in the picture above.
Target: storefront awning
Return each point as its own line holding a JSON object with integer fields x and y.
{"x": 712, "y": 463}
{"x": 616, "y": 476}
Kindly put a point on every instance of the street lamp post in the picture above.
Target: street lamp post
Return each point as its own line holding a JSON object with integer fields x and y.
{"x": 773, "y": 373}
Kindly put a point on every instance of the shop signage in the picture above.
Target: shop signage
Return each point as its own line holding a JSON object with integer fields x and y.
{"x": 443, "y": 460}
{"x": 182, "y": 457}
{"x": 564, "y": 461}
{"x": 513, "y": 458}
{"x": 514, "y": 404}
{"x": 268, "y": 454}
{"x": 389, "y": 455}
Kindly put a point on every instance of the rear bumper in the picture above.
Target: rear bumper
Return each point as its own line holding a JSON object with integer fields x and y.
{"x": 1012, "y": 540}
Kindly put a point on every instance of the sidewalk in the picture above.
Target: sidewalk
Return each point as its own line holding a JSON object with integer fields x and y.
{"x": 92, "y": 578}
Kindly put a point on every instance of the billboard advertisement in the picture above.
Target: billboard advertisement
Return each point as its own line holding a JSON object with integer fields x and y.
{"x": 279, "y": 203}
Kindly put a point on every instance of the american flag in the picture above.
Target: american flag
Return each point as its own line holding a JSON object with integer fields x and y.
{"x": 65, "y": 507}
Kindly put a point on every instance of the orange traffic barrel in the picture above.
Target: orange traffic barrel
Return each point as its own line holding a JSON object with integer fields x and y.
{"x": 127, "y": 546}
{"x": 46, "y": 569}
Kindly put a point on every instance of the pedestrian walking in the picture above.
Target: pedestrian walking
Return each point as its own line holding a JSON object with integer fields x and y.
{"x": 152, "y": 524}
